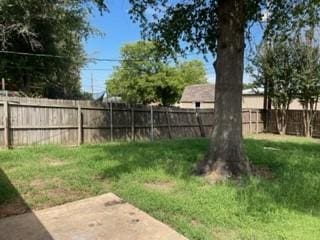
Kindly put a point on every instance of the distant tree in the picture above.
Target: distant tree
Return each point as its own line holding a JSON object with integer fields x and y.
{"x": 168, "y": 85}
{"x": 55, "y": 28}
{"x": 86, "y": 96}
{"x": 307, "y": 75}
{"x": 173, "y": 80}
{"x": 192, "y": 72}
{"x": 219, "y": 27}
{"x": 249, "y": 85}
{"x": 275, "y": 64}
{"x": 144, "y": 77}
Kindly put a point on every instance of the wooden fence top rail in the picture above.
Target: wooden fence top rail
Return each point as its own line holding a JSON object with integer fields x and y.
{"x": 28, "y": 127}
{"x": 41, "y": 105}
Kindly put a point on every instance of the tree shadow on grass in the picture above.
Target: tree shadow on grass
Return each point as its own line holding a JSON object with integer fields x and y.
{"x": 16, "y": 227}
{"x": 174, "y": 158}
{"x": 296, "y": 177}
{"x": 294, "y": 166}
{"x": 295, "y": 169}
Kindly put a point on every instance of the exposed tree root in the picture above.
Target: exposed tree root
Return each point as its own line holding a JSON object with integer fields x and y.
{"x": 222, "y": 170}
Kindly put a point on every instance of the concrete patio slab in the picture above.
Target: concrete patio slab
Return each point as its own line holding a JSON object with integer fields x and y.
{"x": 103, "y": 217}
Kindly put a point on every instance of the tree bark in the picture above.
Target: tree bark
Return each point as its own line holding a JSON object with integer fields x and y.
{"x": 306, "y": 119}
{"x": 225, "y": 155}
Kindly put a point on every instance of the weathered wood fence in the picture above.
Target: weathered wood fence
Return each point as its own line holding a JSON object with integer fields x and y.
{"x": 28, "y": 121}
{"x": 294, "y": 123}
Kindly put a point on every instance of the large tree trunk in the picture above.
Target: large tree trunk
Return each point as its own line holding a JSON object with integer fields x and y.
{"x": 225, "y": 155}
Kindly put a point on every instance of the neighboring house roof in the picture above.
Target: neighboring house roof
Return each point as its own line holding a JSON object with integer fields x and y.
{"x": 205, "y": 93}
{"x": 253, "y": 91}
{"x": 198, "y": 93}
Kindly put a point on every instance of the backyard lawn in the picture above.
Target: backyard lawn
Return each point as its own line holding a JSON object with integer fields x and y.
{"x": 282, "y": 203}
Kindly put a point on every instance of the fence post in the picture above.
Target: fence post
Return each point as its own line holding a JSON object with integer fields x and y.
{"x": 198, "y": 117}
{"x": 6, "y": 129}
{"x": 257, "y": 121}
{"x": 169, "y": 124}
{"x": 132, "y": 124}
{"x": 111, "y": 123}
{"x": 80, "y": 137}
{"x": 265, "y": 120}
{"x": 250, "y": 121}
{"x": 151, "y": 132}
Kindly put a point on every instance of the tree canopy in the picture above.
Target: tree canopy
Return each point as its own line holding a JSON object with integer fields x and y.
{"x": 196, "y": 23}
{"x": 144, "y": 77}
{"x": 52, "y": 28}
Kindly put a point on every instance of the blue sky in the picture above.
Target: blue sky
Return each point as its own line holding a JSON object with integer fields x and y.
{"x": 118, "y": 29}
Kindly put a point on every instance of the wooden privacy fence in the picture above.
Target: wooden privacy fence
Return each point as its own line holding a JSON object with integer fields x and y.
{"x": 294, "y": 123}
{"x": 28, "y": 121}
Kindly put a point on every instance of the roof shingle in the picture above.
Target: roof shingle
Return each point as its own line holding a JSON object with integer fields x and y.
{"x": 198, "y": 93}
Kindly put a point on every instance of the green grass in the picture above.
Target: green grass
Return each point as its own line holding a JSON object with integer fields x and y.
{"x": 156, "y": 178}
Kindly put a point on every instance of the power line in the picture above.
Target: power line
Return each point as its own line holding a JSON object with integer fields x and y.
{"x": 92, "y": 59}
{"x": 86, "y": 58}
{"x": 89, "y": 59}
{"x": 60, "y": 56}
{"x": 209, "y": 70}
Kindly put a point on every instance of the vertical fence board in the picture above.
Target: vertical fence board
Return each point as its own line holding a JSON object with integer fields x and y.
{"x": 132, "y": 124}
{"x": 151, "y": 124}
{"x": 250, "y": 121}
{"x": 169, "y": 124}
{"x": 6, "y": 131}
{"x": 80, "y": 137}
{"x": 111, "y": 123}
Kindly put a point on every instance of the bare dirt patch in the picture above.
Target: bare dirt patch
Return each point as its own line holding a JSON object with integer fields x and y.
{"x": 215, "y": 177}
{"x": 195, "y": 222}
{"x": 41, "y": 184}
{"x": 38, "y": 184}
{"x": 57, "y": 196}
{"x": 64, "y": 194}
{"x": 221, "y": 175}
{"x": 224, "y": 234}
{"x": 160, "y": 186}
{"x": 50, "y": 192}
{"x": 53, "y": 161}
